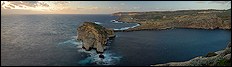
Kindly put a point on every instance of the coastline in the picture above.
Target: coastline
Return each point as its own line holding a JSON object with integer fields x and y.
{"x": 208, "y": 21}
{"x": 221, "y": 58}
{"x": 137, "y": 28}
{"x": 194, "y": 19}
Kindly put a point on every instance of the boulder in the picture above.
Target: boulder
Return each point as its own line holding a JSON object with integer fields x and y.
{"x": 101, "y": 56}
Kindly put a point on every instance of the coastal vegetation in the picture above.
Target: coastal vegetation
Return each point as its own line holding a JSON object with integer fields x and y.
{"x": 156, "y": 20}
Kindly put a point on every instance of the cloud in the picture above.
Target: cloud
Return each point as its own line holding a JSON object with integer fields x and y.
{"x": 88, "y": 8}
{"x": 61, "y": 3}
{"x": 60, "y": 6}
{"x": 29, "y": 3}
{"x": 7, "y": 7}
{"x": 43, "y": 4}
{"x": 221, "y": 2}
{"x": 23, "y": 4}
{"x": 12, "y": 6}
{"x": 2, "y": 3}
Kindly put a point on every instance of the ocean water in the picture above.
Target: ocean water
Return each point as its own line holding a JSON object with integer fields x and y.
{"x": 51, "y": 40}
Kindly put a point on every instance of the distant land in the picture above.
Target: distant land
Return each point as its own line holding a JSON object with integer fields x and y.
{"x": 197, "y": 19}
{"x": 156, "y": 20}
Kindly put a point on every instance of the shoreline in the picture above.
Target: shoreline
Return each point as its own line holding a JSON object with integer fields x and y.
{"x": 194, "y": 19}
{"x": 165, "y": 28}
{"x": 208, "y": 60}
{"x": 220, "y": 59}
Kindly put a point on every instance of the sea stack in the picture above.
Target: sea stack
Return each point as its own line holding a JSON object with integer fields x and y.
{"x": 94, "y": 36}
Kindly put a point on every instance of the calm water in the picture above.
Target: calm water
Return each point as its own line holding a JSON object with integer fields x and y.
{"x": 50, "y": 40}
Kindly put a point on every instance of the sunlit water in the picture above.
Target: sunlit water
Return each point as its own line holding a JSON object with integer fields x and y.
{"x": 51, "y": 40}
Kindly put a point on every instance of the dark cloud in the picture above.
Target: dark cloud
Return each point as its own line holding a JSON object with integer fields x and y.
{"x": 44, "y": 4}
{"x": 29, "y": 3}
{"x": 12, "y": 6}
{"x": 3, "y": 3}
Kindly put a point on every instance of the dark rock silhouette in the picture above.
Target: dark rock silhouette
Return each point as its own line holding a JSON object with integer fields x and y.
{"x": 101, "y": 56}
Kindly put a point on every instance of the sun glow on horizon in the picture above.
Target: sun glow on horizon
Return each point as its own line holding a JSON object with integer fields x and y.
{"x": 103, "y": 7}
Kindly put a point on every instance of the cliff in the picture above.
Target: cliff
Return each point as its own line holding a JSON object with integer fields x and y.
{"x": 219, "y": 58}
{"x": 201, "y": 19}
{"x": 94, "y": 36}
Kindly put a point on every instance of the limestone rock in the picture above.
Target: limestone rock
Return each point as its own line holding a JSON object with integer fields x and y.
{"x": 227, "y": 57}
{"x": 94, "y": 36}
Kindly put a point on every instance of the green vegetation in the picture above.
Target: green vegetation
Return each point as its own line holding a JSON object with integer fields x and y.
{"x": 203, "y": 19}
{"x": 224, "y": 62}
{"x": 101, "y": 29}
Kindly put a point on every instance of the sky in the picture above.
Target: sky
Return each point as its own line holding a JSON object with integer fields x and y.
{"x": 105, "y": 7}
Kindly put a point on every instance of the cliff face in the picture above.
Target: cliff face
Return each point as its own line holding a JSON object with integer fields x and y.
{"x": 94, "y": 36}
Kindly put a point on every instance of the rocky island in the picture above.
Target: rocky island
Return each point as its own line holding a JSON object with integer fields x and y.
{"x": 94, "y": 36}
{"x": 158, "y": 20}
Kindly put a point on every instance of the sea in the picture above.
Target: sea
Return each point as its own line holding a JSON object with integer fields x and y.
{"x": 50, "y": 40}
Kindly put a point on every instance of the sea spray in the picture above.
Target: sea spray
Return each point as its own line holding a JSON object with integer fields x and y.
{"x": 115, "y": 21}
{"x": 97, "y": 22}
{"x": 92, "y": 57}
{"x": 125, "y": 28}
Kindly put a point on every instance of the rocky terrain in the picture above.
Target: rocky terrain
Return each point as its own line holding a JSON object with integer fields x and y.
{"x": 158, "y": 20}
{"x": 219, "y": 58}
{"x": 94, "y": 36}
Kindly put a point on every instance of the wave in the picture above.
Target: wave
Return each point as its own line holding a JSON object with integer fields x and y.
{"x": 125, "y": 28}
{"x": 115, "y": 21}
{"x": 97, "y": 22}
{"x": 110, "y": 58}
{"x": 92, "y": 58}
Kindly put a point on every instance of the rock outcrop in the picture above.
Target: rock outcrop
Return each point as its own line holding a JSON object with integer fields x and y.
{"x": 222, "y": 58}
{"x": 94, "y": 36}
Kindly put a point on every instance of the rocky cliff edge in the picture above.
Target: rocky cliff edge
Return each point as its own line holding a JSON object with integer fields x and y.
{"x": 219, "y": 58}
{"x": 94, "y": 36}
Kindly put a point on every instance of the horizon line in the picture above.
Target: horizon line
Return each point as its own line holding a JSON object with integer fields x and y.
{"x": 120, "y": 11}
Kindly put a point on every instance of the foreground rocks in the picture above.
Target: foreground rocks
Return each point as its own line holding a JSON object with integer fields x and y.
{"x": 222, "y": 58}
{"x": 94, "y": 36}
